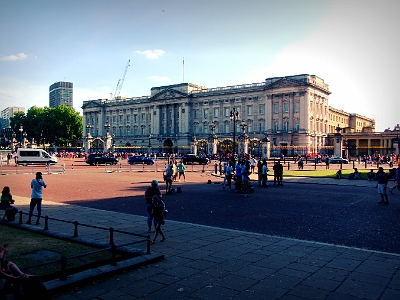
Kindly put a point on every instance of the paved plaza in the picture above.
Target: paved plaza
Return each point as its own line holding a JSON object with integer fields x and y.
{"x": 205, "y": 262}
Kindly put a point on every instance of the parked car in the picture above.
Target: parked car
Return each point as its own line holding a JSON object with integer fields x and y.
{"x": 194, "y": 159}
{"x": 100, "y": 159}
{"x": 140, "y": 160}
{"x": 338, "y": 160}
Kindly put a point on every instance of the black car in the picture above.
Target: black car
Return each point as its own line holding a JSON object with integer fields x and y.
{"x": 140, "y": 160}
{"x": 100, "y": 159}
{"x": 338, "y": 160}
{"x": 194, "y": 159}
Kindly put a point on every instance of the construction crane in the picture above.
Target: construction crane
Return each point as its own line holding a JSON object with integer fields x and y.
{"x": 120, "y": 82}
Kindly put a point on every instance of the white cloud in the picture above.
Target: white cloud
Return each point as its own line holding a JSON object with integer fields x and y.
{"x": 151, "y": 54}
{"x": 14, "y": 57}
{"x": 160, "y": 78}
{"x": 11, "y": 94}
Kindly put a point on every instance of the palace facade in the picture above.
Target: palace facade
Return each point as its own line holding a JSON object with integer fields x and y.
{"x": 292, "y": 112}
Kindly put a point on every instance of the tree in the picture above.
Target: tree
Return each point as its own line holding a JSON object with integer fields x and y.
{"x": 47, "y": 125}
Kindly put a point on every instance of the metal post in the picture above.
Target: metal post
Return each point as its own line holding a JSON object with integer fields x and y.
{"x": 76, "y": 229}
{"x": 111, "y": 236}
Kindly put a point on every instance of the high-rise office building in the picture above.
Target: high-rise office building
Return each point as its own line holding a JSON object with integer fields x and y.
{"x": 61, "y": 93}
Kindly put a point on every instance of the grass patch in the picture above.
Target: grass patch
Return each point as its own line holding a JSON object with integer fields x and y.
{"x": 26, "y": 248}
{"x": 323, "y": 173}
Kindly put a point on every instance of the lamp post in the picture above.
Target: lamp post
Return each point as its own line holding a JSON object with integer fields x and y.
{"x": 21, "y": 129}
{"x": 107, "y": 128}
{"x": 397, "y": 128}
{"x": 24, "y": 135}
{"x": 234, "y": 116}
{"x": 13, "y": 141}
{"x": 149, "y": 144}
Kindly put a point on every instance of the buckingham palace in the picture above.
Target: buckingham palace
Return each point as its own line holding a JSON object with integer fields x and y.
{"x": 290, "y": 113}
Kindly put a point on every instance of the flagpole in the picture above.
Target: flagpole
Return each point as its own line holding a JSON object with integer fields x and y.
{"x": 183, "y": 70}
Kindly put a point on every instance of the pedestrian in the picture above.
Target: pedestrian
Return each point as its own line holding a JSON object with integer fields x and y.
{"x": 5, "y": 204}
{"x": 327, "y": 163}
{"x": 238, "y": 176}
{"x": 264, "y": 174}
{"x": 151, "y": 191}
{"x": 37, "y": 185}
{"x": 169, "y": 172}
{"x": 245, "y": 179}
{"x": 259, "y": 171}
{"x": 9, "y": 157}
{"x": 158, "y": 208}
{"x": 228, "y": 176}
{"x": 181, "y": 169}
{"x": 278, "y": 173}
{"x": 253, "y": 163}
{"x": 397, "y": 185}
{"x": 382, "y": 179}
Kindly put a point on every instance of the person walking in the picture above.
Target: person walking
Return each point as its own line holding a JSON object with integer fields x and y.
{"x": 181, "y": 170}
{"x": 397, "y": 185}
{"x": 278, "y": 173}
{"x": 158, "y": 214}
{"x": 382, "y": 179}
{"x": 151, "y": 191}
{"x": 228, "y": 176}
{"x": 264, "y": 174}
{"x": 37, "y": 186}
{"x": 169, "y": 172}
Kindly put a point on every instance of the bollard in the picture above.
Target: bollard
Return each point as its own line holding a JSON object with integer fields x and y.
{"x": 72, "y": 166}
{"x": 113, "y": 255}
{"x": 215, "y": 168}
{"x": 315, "y": 164}
{"x": 63, "y": 275}
{"x": 365, "y": 163}
{"x": 76, "y": 229}
{"x": 341, "y": 165}
{"x": 288, "y": 165}
{"x": 353, "y": 164}
{"x": 46, "y": 223}
{"x": 20, "y": 217}
{"x": 111, "y": 236}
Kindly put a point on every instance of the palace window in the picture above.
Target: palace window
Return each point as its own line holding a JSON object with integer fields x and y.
{"x": 286, "y": 126}
{"x": 128, "y": 119}
{"x": 296, "y": 126}
{"x": 216, "y": 112}
{"x": 262, "y": 127}
{"x": 249, "y": 110}
{"x": 262, "y": 109}
{"x": 226, "y": 112}
{"x": 227, "y": 128}
{"x": 205, "y": 113}
{"x": 296, "y": 107}
{"x": 196, "y": 114}
{"x": 276, "y": 108}
{"x": 285, "y": 107}
{"x": 276, "y": 126}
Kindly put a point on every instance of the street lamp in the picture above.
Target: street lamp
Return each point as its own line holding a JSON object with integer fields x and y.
{"x": 24, "y": 135}
{"x": 149, "y": 144}
{"x": 234, "y": 116}
{"x": 397, "y": 128}
{"x": 13, "y": 141}
{"x": 107, "y": 128}
{"x": 21, "y": 128}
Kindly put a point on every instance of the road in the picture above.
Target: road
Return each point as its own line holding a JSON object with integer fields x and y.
{"x": 345, "y": 215}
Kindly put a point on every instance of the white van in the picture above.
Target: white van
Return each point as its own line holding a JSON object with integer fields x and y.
{"x": 34, "y": 156}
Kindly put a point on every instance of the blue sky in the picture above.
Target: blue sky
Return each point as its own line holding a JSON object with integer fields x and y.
{"x": 352, "y": 45}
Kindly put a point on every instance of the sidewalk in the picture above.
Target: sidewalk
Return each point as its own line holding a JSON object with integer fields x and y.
{"x": 203, "y": 262}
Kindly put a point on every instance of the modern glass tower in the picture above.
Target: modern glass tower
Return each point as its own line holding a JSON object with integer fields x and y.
{"x": 61, "y": 93}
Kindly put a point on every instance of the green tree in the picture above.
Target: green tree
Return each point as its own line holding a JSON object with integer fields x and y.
{"x": 46, "y": 125}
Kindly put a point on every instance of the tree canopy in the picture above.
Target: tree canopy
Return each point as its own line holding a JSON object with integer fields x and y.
{"x": 48, "y": 125}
